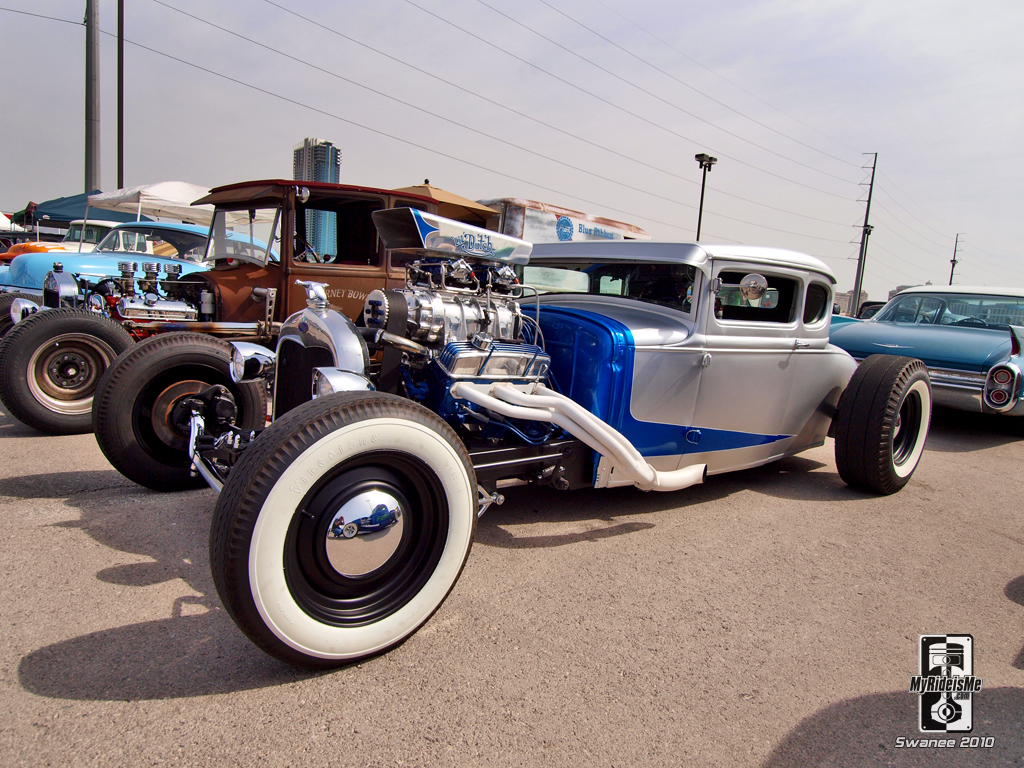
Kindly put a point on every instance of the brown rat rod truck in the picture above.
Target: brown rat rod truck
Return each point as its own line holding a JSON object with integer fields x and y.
{"x": 53, "y": 364}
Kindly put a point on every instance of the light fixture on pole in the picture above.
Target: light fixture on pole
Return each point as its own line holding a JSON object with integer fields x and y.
{"x": 706, "y": 161}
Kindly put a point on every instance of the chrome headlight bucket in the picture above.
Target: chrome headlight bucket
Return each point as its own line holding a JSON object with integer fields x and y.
{"x": 1002, "y": 387}
{"x": 327, "y": 381}
{"x": 22, "y": 308}
{"x": 250, "y": 362}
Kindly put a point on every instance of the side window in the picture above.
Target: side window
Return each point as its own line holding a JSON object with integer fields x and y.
{"x": 816, "y": 304}
{"x": 337, "y": 232}
{"x": 778, "y": 305}
{"x": 903, "y": 311}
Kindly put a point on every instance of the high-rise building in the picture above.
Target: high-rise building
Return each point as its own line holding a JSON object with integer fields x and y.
{"x": 315, "y": 160}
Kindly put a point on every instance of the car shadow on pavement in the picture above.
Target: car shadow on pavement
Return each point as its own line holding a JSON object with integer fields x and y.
{"x": 601, "y": 510}
{"x": 185, "y": 655}
{"x": 59, "y": 485}
{"x": 863, "y": 732}
{"x": 195, "y": 650}
{"x": 961, "y": 432}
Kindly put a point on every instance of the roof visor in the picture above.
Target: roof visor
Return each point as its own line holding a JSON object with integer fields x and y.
{"x": 424, "y": 234}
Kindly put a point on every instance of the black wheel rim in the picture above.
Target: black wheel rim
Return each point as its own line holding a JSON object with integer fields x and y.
{"x": 168, "y": 444}
{"x": 907, "y": 428}
{"x": 346, "y": 600}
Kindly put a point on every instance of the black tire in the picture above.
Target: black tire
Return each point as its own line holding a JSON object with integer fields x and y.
{"x": 882, "y": 423}
{"x": 6, "y": 299}
{"x": 51, "y": 364}
{"x": 319, "y": 601}
{"x": 133, "y": 414}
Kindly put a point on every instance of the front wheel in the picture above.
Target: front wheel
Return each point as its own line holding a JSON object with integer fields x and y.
{"x": 51, "y": 364}
{"x": 882, "y": 423}
{"x": 309, "y": 597}
{"x": 140, "y": 417}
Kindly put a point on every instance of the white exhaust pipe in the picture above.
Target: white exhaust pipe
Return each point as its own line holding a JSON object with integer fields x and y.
{"x": 545, "y": 404}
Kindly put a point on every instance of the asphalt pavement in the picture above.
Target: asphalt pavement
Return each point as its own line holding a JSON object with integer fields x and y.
{"x": 766, "y": 618}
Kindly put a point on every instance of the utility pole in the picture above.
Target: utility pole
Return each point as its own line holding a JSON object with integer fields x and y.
{"x": 92, "y": 95}
{"x": 120, "y": 94}
{"x": 865, "y": 232}
{"x": 952, "y": 261}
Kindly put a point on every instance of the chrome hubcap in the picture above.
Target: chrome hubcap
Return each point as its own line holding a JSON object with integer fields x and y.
{"x": 364, "y": 533}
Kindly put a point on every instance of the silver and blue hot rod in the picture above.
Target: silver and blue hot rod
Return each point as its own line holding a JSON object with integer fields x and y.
{"x": 586, "y": 365}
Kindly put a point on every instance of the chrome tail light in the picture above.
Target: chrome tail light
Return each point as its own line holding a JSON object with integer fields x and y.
{"x": 1002, "y": 387}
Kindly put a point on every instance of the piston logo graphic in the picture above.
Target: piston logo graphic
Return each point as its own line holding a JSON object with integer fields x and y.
{"x": 946, "y": 684}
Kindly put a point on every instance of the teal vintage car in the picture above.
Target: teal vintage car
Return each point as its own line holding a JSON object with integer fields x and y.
{"x": 969, "y": 337}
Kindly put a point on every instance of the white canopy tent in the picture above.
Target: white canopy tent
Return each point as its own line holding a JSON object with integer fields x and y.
{"x": 6, "y": 225}
{"x": 165, "y": 199}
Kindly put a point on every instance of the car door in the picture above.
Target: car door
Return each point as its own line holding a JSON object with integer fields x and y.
{"x": 754, "y": 363}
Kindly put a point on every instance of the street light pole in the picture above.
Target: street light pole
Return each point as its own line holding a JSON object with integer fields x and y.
{"x": 706, "y": 161}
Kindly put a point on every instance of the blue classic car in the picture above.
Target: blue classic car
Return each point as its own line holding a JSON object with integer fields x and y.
{"x": 969, "y": 337}
{"x": 160, "y": 242}
{"x": 583, "y": 365}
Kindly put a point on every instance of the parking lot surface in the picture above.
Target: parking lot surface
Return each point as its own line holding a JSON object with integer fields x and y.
{"x": 766, "y": 618}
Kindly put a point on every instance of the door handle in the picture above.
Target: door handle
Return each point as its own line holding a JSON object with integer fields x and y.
{"x": 801, "y": 344}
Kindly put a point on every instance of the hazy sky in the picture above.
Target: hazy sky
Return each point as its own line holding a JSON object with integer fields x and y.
{"x": 598, "y": 105}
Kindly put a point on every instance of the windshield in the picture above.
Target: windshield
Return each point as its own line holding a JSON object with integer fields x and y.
{"x": 93, "y": 233}
{"x": 953, "y": 309}
{"x": 668, "y": 285}
{"x": 245, "y": 235}
{"x": 154, "y": 241}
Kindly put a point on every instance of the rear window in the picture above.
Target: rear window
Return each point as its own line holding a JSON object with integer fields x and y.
{"x": 816, "y": 305}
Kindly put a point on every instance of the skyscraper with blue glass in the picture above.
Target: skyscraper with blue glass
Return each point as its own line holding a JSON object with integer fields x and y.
{"x": 315, "y": 160}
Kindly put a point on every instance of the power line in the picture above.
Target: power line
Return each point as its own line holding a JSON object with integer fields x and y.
{"x": 695, "y": 90}
{"x": 905, "y": 209}
{"x": 474, "y": 130}
{"x": 41, "y": 16}
{"x": 664, "y": 101}
{"x": 614, "y": 105}
{"x": 395, "y": 99}
{"x": 922, "y": 236}
{"x": 500, "y": 105}
{"x": 402, "y": 140}
{"x": 722, "y": 77}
